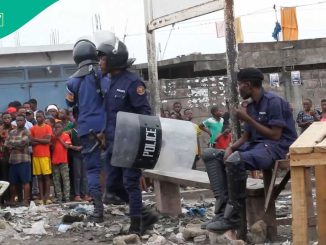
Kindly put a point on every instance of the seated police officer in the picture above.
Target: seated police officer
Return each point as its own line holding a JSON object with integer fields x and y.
{"x": 85, "y": 90}
{"x": 126, "y": 93}
{"x": 268, "y": 132}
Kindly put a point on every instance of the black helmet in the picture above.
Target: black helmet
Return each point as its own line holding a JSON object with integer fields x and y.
{"x": 116, "y": 54}
{"x": 84, "y": 53}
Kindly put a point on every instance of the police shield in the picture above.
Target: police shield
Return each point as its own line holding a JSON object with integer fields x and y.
{"x": 152, "y": 142}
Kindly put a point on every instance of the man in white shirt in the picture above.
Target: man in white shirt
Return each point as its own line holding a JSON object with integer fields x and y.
{"x": 28, "y": 125}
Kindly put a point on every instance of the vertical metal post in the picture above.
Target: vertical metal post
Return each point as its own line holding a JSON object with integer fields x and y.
{"x": 232, "y": 67}
{"x": 152, "y": 61}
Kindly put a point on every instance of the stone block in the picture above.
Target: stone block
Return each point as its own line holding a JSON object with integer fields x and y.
{"x": 227, "y": 238}
{"x": 258, "y": 232}
{"x": 202, "y": 239}
{"x": 128, "y": 239}
{"x": 193, "y": 230}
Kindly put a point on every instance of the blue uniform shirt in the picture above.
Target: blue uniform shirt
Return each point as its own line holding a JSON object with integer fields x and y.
{"x": 272, "y": 110}
{"x": 126, "y": 93}
{"x": 90, "y": 103}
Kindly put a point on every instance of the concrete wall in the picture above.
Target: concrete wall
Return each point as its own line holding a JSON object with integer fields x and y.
{"x": 199, "y": 94}
{"x": 279, "y": 54}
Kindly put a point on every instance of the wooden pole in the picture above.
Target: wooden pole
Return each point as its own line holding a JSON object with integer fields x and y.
{"x": 231, "y": 66}
{"x": 152, "y": 62}
{"x": 232, "y": 90}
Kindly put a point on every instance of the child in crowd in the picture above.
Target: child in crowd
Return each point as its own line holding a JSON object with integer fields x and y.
{"x": 223, "y": 140}
{"x": 64, "y": 117}
{"x": 177, "y": 107}
{"x": 49, "y": 120}
{"x": 79, "y": 166}
{"x": 19, "y": 160}
{"x": 173, "y": 115}
{"x": 40, "y": 140}
{"x": 323, "y": 110}
{"x": 166, "y": 114}
{"x": 213, "y": 125}
{"x": 60, "y": 162}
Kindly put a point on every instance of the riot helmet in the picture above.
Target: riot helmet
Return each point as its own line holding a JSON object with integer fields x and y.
{"x": 116, "y": 54}
{"x": 84, "y": 53}
{"x": 85, "y": 56}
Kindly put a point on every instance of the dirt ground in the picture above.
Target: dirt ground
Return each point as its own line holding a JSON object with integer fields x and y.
{"x": 16, "y": 224}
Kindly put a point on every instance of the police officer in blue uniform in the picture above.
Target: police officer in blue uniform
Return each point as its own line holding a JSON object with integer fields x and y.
{"x": 86, "y": 89}
{"x": 126, "y": 92}
{"x": 268, "y": 132}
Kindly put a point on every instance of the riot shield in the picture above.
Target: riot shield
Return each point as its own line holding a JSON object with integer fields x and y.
{"x": 152, "y": 142}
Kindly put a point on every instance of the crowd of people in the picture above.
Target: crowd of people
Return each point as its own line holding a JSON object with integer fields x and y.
{"x": 309, "y": 114}
{"x": 217, "y": 126}
{"x": 49, "y": 139}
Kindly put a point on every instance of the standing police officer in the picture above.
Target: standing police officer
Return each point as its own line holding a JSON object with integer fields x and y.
{"x": 126, "y": 92}
{"x": 85, "y": 90}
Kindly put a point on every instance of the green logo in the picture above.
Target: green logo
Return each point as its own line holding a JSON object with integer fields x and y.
{"x": 1, "y": 19}
{"x": 18, "y": 13}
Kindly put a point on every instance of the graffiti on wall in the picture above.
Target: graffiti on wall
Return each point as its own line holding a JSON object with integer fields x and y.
{"x": 200, "y": 92}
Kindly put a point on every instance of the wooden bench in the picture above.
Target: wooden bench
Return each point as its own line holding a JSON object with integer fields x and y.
{"x": 167, "y": 195}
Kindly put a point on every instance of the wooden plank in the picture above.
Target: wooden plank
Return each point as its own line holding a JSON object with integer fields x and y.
{"x": 308, "y": 160}
{"x": 167, "y": 197}
{"x": 185, "y": 14}
{"x": 270, "y": 213}
{"x": 321, "y": 147}
{"x": 309, "y": 138}
{"x": 154, "y": 85}
{"x": 306, "y": 157}
{"x": 281, "y": 186}
{"x": 310, "y": 201}
{"x": 194, "y": 178}
{"x": 199, "y": 179}
{"x": 299, "y": 206}
{"x": 320, "y": 173}
{"x": 269, "y": 193}
{"x": 284, "y": 163}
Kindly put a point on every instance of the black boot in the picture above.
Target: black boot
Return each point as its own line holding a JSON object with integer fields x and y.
{"x": 111, "y": 198}
{"x": 97, "y": 215}
{"x": 149, "y": 218}
{"x": 237, "y": 178}
{"x": 215, "y": 168}
{"x": 135, "y": 225}
{"x": 219, "y": 213}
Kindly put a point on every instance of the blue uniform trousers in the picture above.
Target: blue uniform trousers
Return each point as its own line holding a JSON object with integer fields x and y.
{"x": 92, "y": 160}
{"x": 258, "y": 155}
{"x": 125, "y": 183}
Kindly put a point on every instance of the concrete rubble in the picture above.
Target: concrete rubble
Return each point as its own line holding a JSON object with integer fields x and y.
{"x": 66, "y": 224}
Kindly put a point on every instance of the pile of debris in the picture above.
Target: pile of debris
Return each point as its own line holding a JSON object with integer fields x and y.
{"x": 67, "y": 224}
